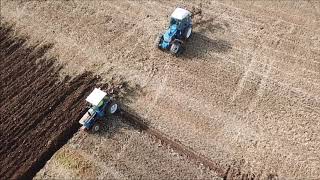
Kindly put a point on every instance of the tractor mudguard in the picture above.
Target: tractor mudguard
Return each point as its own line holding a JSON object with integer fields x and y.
{"x": 165, "y": 45}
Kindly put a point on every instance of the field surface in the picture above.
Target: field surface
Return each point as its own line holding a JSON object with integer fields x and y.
{"x": 245, "y": 94}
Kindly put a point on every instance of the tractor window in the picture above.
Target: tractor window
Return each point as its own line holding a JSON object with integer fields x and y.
{"x": 186, "y": 21}
{"x": 173, "y": 21}
{"x": 100, "y": 103}
{"x": 177, "y": 22}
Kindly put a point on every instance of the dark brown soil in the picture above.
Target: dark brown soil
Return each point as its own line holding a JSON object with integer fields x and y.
{"x": 38, "y": 111}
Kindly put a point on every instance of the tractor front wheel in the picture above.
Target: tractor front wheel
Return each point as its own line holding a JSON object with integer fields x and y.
{"x": 175, "y": 48}
{"x": 96, "y": 127}
{"x": 158, "y": 41}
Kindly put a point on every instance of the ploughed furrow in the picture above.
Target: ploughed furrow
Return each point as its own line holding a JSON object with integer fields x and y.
{"x": 38, "y": 110}
{"x": 226, "y": 171}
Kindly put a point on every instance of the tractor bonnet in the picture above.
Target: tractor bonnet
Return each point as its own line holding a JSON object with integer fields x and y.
{"x": 96, "y": 96}
{"x": 170, "y": 33}
{"x": 180, "y": 13}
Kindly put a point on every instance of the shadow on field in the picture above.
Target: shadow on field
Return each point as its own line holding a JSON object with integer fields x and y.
{"x": 125, "y": 118}
{"x": 123, "y": 93}
{"x": 199, "y": 46}
{"x": 208, "y": 25}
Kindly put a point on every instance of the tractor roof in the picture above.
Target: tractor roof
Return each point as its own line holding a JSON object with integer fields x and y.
{"x": 180, "y": 13}
{"x": 96, "y": 96}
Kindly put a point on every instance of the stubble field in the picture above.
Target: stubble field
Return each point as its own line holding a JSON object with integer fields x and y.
{"x": 244, "y": 94}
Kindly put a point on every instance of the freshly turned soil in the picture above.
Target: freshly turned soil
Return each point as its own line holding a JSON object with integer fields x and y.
{"x": 38, "y": 111}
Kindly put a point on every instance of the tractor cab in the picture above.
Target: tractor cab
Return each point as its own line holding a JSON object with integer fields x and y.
{"x": 181, "y": 18}
{"x": 96, "y": 99}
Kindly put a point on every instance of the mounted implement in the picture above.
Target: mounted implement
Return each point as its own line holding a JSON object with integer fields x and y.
{"x": 179, "y": 31}
{"x": 100, "y": 106}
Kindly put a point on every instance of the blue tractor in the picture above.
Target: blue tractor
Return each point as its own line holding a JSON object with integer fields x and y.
{"x": 179, "y": 31}
{"x": 100, "y": 107}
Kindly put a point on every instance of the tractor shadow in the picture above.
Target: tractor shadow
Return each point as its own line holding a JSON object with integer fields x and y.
{"x": 124, "y": 93}
{"x": 200, "y": 46}
{"x": 112, "y": 126}
{"x": 124, "y": 119}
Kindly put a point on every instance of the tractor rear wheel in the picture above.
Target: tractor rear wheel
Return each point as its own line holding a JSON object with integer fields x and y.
{"x": 189, "y": 32}
{"x": 175, "y": 48}
{"x": 112, "y": 108}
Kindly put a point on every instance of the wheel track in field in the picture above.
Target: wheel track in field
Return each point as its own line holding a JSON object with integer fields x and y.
{"x": 265, "y": 16}
{"x": 285, "y": 85}
{"x": 256, "y": 26}
{"x": 276, "y": 69}
{"x": 244, "y": 23}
